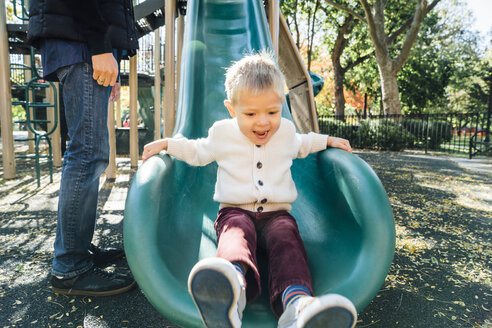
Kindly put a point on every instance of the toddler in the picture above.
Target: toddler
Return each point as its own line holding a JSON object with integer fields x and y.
{"x": 254, "y": 151}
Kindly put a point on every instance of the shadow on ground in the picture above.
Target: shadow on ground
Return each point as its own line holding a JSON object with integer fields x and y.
{"x": 441, "y": 274}
{"x": 440, "y": 277}
{"x": 27, "y": 233}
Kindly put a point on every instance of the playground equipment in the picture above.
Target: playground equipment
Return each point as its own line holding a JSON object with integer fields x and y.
{"x": 145, "y": 95}
{"x": 41, "y": 114}
{"x": 13, "y": 37}
{"x": 34, "y": 121}
{"x": 343, "y": 212}
{"x": 149, "y": 16}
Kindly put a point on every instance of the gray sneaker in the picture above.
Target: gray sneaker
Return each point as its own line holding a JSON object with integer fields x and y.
{"x": 218, "y": 293}
{"x": 327, "y": 311}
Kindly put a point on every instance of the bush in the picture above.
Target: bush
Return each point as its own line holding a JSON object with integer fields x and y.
{"x": 429, "y": 134}
{"x": 18, "y": 112}
{"x": 441, "y": 130}
{"x": 396, "y": 138}
{"x": 337, "y": 128}
{"x": 370, "y": 134}
{"x": 384, "y": 134}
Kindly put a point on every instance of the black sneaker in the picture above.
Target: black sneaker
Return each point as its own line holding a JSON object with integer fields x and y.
{"x": 101, "y": 256}
{"x": 95, "y": 282}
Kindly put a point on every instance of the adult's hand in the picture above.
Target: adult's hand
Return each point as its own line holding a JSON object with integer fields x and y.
{"x": 105, "y": 69}
{"x": 115, "y": 92}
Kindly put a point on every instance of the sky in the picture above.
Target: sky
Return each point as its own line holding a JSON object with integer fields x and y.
{"x": 482, "y": 10}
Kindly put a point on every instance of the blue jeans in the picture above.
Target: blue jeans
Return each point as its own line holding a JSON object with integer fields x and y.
{"x": 85, "y": 159}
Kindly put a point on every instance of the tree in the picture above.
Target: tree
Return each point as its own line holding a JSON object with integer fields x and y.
{"x": 340, "y": 45}
{"x": 446, "y": 70}
{"x": 467, "y": 89}
{"x": 308, "y": 20}
{"x": 305, "y": 18}
{"x": 425, "y": 76}
{"x": 384, "y": 45}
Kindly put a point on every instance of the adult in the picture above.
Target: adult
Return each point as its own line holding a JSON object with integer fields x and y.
{"x": 80, "y": 44}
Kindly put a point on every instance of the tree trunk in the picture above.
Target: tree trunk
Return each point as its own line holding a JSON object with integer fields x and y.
{"x": 339, "y": 96}
{"x": 365, "y": 105}
{"x": 388, "y": 68}
{"x": 489, "y": 112}
{"x": 389, "y": 89}
{"x": 338, "y": 70}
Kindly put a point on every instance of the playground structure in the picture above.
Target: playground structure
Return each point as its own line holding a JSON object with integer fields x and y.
{"x": 342, "y": 210}
{"x": 24, "y": 74}
{"x": 169, "y": 225}
{"x": 144, "y": 77}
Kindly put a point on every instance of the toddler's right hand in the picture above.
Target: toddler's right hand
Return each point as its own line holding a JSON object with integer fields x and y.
{"x": 155, "y": 147}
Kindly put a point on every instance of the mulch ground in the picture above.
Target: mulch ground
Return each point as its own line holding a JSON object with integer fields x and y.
{"x": 440, "y": 276}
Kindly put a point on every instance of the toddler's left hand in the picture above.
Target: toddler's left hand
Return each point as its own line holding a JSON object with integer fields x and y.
{"x": 115, "y": 92}
{"x": 341, "y": 143}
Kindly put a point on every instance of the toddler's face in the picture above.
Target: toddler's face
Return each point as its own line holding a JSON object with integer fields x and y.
{"x": 258, "y": 116}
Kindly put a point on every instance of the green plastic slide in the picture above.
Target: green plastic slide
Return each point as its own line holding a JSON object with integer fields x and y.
{"x": 342, "y": 210}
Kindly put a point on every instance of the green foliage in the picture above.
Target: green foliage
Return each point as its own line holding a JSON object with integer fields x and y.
{"x": 423, "y": 79}
{"x": 18, "y": 112}
{"x": 390, "y": 134}
{"x": 384, "y": 134}
{"x": 447, "y": 70}
{"x": 429, "y": 134}
{"x": 454, "y": 44}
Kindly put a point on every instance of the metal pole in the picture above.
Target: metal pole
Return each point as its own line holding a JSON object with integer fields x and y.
{"x": 169, "y": 68}
{"x": 489, "y": 112}
{"x": 427, "y": 134}
{"x": 157, "y": 84}
{"x": 133, "y": 112}
{"x": 27, "y": 78}
{"x": 5, "y": 100}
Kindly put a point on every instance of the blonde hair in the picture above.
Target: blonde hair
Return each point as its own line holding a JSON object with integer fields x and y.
{"x": 256, "y": 73}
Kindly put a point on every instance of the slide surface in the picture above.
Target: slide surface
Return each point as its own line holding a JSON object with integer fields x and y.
{"x": 343, "y": 212}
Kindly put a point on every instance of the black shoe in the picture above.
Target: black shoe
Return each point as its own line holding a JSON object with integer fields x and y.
{"x": 101, "y": 256}
{"x": 95, "y": 282}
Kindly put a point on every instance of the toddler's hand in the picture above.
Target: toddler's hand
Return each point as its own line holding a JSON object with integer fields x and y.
{"x": 153, "y": 148}
{"x": 335, "y": 142}
{"x": 115, "y": 92}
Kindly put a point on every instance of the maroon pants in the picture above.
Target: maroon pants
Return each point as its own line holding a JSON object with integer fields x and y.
{"x": 241, "y": 234}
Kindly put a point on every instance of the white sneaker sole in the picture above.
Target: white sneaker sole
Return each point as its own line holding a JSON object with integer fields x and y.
{"x": 214, "y": 287}
{"x": 329, "y": 311}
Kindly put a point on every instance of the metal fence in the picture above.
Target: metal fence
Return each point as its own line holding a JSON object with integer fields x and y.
{"x": 449, "y": 132}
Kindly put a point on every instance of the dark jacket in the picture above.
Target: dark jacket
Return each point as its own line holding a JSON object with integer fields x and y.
{"x": 102, "y": 24}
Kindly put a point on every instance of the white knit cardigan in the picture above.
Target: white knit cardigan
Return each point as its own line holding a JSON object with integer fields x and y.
{"x": 255, "y": 178}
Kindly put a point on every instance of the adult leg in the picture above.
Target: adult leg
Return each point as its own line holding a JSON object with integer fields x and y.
{"x": 85, "y": 159}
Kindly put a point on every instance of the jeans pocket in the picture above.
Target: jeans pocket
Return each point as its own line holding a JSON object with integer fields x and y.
{"x": 62, "y": 72}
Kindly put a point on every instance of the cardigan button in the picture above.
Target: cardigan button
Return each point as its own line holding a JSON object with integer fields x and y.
{"x": 260, "y": 209}
{"x": 260, "y": 182}
{"x": 264, "y": 200}
{"x": 259, "y": 165}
